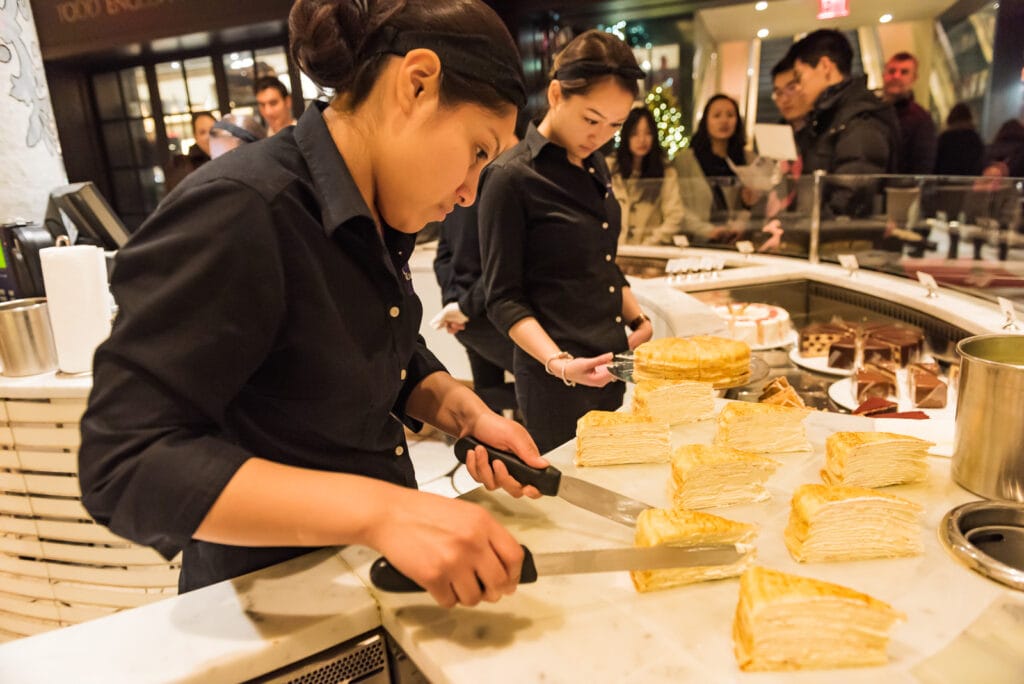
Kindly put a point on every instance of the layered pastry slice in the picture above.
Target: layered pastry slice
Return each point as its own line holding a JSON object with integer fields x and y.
{"x": 611, "y": 438}
{"x": 762, "y": 428}
{"x": 674, "y": 401}
{"x": 660, "y": 527}
{"x": 874, "y": 459}
{"x": 780, "y": 393}
{"x": 788, "y": 622}
{"x": 851, "y": 523}
{"x": 709, "y": 359}
{"x": 709, "y": 476}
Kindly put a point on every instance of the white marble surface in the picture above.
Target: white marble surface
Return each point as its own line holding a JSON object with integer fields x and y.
{"x": 596, "y": 627}
{"x": 227, "y": 632}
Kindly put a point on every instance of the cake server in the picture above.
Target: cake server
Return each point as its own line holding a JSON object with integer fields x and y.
{"x": 384, "y": 576}
{"x": 552, "y": 482}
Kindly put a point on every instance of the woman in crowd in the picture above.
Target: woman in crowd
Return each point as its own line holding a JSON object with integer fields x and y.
{"x": 646, "y": 188}
{"x": 246, "y": 406}
{"x": 960, "y": 148}
{"x": 549, "y": 229}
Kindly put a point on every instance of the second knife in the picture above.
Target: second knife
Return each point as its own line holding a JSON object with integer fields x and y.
{"x": 551, "y": 481}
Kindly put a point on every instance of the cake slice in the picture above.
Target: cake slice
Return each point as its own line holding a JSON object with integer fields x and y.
{"x": 708, "y": 476}
{"x": 874, "y": 406}
{"x": 851, "y": 523}
{"x": 788, "y": 622}
{"x": 703, "y": 357}
{"x": 874, "y": 459}
{"x": 780, "y": 393}
{"x": 612, "y": 438}
{"x": 660, "y": 527}
{"x": 762, "y": 428}
{"x": 674, "y": 401}
{"x": 868, "y": 382}
{"x": 926, "y": 389}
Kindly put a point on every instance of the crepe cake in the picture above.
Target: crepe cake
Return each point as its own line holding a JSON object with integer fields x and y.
{"x": 788, "y": 622}
{"x": 874, "y": 459}
{"x": 851, "y": 523}
{"x": 780, "y": 393}
{"x": 674, "y": 401}
{"x": 612, "y": 438}
{"x": 762, "y": 428}
{"x": 705, "y": 358}
{"x": 661, "y": 527}
{"x": 706, "y": 476}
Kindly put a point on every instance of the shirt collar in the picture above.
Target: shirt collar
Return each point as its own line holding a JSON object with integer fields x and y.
{"x": 340, "y": 200}
{"x": 535, "y": 141}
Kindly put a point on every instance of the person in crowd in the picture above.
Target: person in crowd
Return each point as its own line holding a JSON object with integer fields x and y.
{"x": 275, "y": 104}
{"x": 851, "y": 130}
{"x": 960, "y": 149}
{"x": 1006, "y": 152}
{"x": 720, "y": 138}
{"x": 646, "y": 187}
{"x": 198, "y": 154}
{"x": 458, "y": 269}
{"x": 549, "y": 228}
{"x": 246, "y": 406}
{"x": 234, "y": 130}
{"x": 789, "y": 97}
{"x": 918, "y": 141}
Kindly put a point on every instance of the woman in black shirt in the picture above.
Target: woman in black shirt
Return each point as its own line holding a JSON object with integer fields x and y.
{"x": 246, "y": 406}
{"x": 549, "y": 229}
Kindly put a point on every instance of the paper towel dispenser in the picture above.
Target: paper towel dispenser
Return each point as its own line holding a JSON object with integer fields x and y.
{"x": 21, "y": 275}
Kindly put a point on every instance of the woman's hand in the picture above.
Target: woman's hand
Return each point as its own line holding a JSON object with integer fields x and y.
{"x": 592, "y": 372}
{"x": 507, "y": 435}
{"x": 454, "y": 549}
{"x": 452, "y": 327}
{"x": 641, "y": 334}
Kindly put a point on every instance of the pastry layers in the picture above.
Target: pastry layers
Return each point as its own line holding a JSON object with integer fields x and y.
{"x": 788, "y": 622}
{"x": 658, "y": 527}
{"x": 705, "y": 358}
{"x": 612, "y": 438}
{"x": 710, "y": 476}
{"x": 674, "y": 401}
{"x": 762, "y": 428}
{"x": 780, "y": 393}
{"x": 851, "y": 523}
{"x": 874, "y": 459}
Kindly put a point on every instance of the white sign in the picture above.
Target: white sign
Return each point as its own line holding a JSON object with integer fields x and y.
{"x": 680, "y": 241}
{"x": 928, "y": 281}
{"x": 745, "y": 247}
{"x": 775, "y": 141}
{"x": 1008, "y": 309}
{"x": 849, "y": 262}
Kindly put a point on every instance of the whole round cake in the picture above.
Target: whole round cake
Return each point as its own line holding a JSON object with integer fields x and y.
{"x": 705, "y": 358}
{"x": 760, "y": 325}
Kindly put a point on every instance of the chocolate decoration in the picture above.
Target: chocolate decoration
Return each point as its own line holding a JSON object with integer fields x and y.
{"x": 875, "y": 406}
{"x": 913, "y": 415}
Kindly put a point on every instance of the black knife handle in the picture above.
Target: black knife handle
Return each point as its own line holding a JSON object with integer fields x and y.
{"x": 546, "y": 481}
{"x": 386, "y": 577}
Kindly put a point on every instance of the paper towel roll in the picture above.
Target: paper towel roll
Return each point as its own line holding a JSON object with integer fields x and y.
{"x": 77, "y": 296}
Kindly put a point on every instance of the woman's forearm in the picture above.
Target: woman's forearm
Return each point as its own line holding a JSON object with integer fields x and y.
{"x": 529, "y": 336}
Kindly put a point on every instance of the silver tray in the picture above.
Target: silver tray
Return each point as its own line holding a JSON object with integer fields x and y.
{"x": 622, "y": 369}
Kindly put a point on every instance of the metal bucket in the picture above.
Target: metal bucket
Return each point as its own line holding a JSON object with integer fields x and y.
{"x": 988, "y": 451}
{"x": 26, "y": 340}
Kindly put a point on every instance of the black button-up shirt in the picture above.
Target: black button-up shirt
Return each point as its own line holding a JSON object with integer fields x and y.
{"x": 549, "y": 232}
{"x": 261, "y": 314}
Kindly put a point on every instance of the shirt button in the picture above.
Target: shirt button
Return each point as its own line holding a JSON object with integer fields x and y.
{"x": 605, "y": 225}
{"x": 611, "y": 288}
{"x": 399, "y": 450}
{"x": 403, "y": 374}
{"x": 394, "y": 311}
{"x": 607, "y": 257}
{"x": 592, "y": 170}
{"x": 618, "y": 319}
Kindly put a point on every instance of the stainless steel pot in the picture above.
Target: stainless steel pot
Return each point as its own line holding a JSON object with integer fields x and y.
{"x": 988, "y": 452}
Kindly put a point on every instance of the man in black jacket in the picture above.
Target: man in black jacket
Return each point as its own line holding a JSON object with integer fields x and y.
{"x": 851, "y": 130}
{"x": 918, "y": 144}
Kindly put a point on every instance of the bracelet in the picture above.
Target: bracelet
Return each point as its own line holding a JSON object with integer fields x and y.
{"x": 638, "y": 321}
{"x": 559, "y": 355}
{"x": 568, "y": 383}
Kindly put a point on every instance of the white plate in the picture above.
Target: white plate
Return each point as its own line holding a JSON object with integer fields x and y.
{"x": 818, "y": 364}
{"x": 841, "y": 392}
{"x": 792, "y": 338}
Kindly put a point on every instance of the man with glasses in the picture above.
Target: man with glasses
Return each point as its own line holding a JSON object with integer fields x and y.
{"x": 850, "y": 130}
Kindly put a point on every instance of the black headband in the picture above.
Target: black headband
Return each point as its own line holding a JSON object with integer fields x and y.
{"x": 471, "y": 56}
{"x": 586, "y": 68}
{"x": 237, "y": 131}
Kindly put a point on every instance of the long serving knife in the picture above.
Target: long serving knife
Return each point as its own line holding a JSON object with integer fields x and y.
{"x": 552, "y": 482}
{"x": 384, "y": 576}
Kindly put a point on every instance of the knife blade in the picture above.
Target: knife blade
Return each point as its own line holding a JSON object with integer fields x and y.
{"x": 552, "y": 482}
{"x": 386, "y": 577}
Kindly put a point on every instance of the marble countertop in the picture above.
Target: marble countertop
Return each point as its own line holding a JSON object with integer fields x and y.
{"x": 596, "y": 627}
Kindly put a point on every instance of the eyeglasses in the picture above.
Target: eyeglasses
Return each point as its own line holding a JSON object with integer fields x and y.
{"x": 788, "y": 90}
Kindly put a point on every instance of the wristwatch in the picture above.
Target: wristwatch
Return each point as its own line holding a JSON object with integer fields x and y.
{"x": 638, "y": 321}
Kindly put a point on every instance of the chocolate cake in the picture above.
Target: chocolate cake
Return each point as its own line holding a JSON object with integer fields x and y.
{"x": 870, "y": 383}
{"x": 927, "y": 390}
{"x": 816, "y": 338}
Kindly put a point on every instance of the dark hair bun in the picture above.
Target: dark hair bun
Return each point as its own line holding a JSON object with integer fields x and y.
{"x": 327, "y": 35}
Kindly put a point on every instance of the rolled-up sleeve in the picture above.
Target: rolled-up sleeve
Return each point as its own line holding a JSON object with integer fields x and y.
{"x": 503, "y": 234}
{"x": 200, "y": 292}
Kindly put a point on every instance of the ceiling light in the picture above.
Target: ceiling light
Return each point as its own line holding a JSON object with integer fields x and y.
{"x": 885, "y": 19}
{"x": 762, "y": 33}
{"x": 761, "y": 6}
